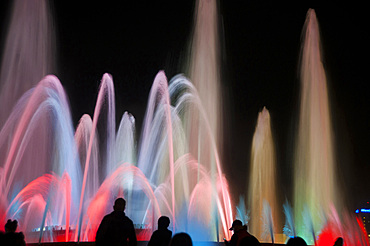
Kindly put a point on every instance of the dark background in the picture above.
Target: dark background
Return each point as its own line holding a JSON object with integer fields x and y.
{"x": 133, "y": 40}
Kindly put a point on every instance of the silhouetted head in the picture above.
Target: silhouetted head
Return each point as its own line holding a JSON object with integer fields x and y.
{"x": 181, "y": 239}
{"x": 11, "y": 226}
{"x": 237, "y": 225}
{"x": 339, "y": 242}
{"x": 163, "y": 222}
{"x": 296, "y": 241}
{"x": 119, "y": 204}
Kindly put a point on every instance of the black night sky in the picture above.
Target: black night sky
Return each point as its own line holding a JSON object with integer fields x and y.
{"x": 133, "y": 40}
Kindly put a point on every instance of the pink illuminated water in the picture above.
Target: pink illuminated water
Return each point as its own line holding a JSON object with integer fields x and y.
{"x": 28, "y": 54}
{"x": 65, "y": 179}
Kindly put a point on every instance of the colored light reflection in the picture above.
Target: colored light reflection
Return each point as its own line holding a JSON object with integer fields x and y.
{"x": 66, "y": 177}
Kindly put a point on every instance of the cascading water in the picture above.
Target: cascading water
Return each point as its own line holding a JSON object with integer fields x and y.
{"x": 80, "y": 173}
{"x": 55, "y": 177}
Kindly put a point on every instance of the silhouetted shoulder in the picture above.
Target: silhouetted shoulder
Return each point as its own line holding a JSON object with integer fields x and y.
{"x": 296, "y": 241}
{"x": 160, "y": 237}
{"x": 181, "y": 239}
{"x": 116, "y": 228}
{"x": 13, "y": 238}
{"x": 249, "y": 241}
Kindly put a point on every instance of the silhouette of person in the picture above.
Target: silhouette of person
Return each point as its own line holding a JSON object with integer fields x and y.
{"x": 11, "y": 237}
{"x": 339, "y": 242}
{"x": 181, "y": 239}
{"x": 249, "y": 241}
{"x": 241, "y": 235}
{"x": 162, "y": 236}
{"x": 116, "y": 228}
{"x": 296, "y": 241}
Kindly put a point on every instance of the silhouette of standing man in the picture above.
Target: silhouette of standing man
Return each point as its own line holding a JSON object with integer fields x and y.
{"x": 241, "y": 236}
{"x": 116, "y": 228}
{"x": 162, "y": 236}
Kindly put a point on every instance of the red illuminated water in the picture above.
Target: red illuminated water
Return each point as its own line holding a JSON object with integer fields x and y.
{"x": 59, "y": 181}
{"x": 64, "y": 180}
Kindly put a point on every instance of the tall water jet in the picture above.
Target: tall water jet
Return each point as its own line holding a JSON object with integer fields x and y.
{"x": 204, "y": 72}
{"x": 262, "y": 182}
{"x": 27, "y": 54}
{"x": 314, "y": 171}
{"x": 26, "y": 59}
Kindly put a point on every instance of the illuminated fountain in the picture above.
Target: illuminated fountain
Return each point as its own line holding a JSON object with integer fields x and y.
{"x": 54, "y": 195}
{"x": 315, "y": 187}
{"x": 53, "y": 176}
{"x": 318, "y": 214}
{"x": 318, "y": 208}
{"x": 262, "y": 184}
{"x": 65, "y": 179}
{"x": 28, "y": 54}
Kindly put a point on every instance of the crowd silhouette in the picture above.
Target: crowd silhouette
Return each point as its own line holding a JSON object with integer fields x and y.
{"x": 163, "y": 236}
{"x": 117, "y": 229}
